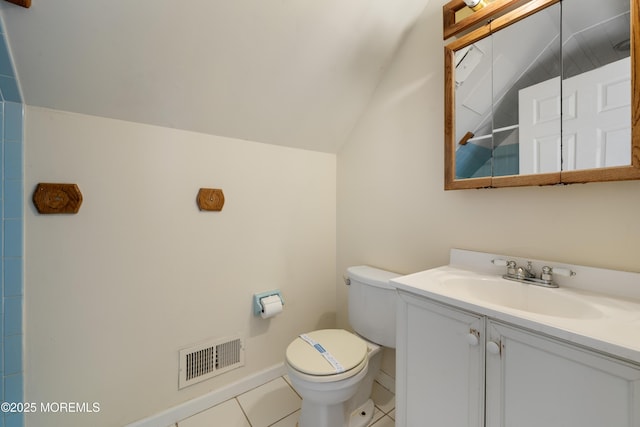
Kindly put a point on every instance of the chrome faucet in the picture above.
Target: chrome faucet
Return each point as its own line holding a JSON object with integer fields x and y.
{"x": 528, "y": 275}
{"x": 525, "y": 272}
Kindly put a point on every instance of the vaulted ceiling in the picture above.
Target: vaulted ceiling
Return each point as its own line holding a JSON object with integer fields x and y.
{"x": 296, "y": 73}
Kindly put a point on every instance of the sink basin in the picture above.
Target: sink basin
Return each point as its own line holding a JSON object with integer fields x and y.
{"x": 523, "y": 297}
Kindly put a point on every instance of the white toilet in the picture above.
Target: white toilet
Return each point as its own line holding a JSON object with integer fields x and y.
{"x": 333, "y": 369}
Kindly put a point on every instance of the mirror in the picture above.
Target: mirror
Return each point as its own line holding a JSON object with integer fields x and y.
{"x": 545, "y": 94}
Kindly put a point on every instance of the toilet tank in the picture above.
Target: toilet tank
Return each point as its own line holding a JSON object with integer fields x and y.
{"x": 372, "y": 304}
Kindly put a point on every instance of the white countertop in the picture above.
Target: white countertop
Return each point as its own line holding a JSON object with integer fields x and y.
{"x": 614, "y": 329}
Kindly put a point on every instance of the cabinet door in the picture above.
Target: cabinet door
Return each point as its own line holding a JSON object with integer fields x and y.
{"x": 535, "y": 381}
{"x": 440, "y": 365}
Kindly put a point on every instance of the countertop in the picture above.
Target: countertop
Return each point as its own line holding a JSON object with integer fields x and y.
{"x": 613, "y": 328}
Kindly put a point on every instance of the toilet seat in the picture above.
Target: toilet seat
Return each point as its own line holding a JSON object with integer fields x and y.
{"x": 347, "y": 349}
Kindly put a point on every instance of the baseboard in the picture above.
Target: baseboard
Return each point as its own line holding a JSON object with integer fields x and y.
{"x": 199, "y": 404}
{"x": 386, "y": 381}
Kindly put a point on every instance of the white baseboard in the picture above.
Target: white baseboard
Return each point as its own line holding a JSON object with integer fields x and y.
{"x": 172, "y": 415}
{"x": 386, "y": 381}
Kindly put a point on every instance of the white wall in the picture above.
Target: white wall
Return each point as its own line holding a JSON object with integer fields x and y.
{"x": 393, "y": 212}
{"x": 113, "y": 293}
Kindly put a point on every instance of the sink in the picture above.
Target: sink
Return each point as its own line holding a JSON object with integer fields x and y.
{"x": 521, "y": 296}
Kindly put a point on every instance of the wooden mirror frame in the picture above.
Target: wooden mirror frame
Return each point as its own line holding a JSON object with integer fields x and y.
{"x": 451, "y": 27}
{"x": 619, "y": 173}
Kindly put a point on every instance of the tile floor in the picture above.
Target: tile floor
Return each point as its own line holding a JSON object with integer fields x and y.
{"x": 276, "y": 404}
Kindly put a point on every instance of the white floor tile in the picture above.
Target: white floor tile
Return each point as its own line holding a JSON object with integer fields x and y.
{"x": 290, "y": 421}
{"x": 276, "y": 404}
{"x": 392, "y": 414}
{"x": 384, "y": 422}
{"x": 377, "y": 414}
{"x": 228, "y": 414}
{"x": 288, "y": 380}
{"x": 269, "y": 403}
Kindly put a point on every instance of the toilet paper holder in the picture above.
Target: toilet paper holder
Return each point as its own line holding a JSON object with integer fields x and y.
{"x": 257, "y": 306}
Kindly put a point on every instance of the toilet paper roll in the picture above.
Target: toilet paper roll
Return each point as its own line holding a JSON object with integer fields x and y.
{"x": 271, "y": 306}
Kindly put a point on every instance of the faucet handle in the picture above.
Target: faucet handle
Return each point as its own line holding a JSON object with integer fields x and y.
{"x": 563, "y": 271}
{"x": 510, "y": 264}
{"x": 548, "y": 272}
{"x": 511, "y": 268}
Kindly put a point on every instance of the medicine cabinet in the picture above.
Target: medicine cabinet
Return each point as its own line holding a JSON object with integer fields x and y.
{"x": 548, "y": 92}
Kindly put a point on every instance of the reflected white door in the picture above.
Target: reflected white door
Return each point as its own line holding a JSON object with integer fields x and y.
{"x": 539, "y": 113}
{"x": 596, "y": 121}
{"x": 597, "y": 117}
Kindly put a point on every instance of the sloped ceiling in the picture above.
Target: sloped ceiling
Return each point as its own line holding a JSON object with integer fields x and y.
{"x": 288, "y": 72}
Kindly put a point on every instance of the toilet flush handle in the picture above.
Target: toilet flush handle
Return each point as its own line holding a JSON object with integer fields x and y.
{"x": 346, "y": 279}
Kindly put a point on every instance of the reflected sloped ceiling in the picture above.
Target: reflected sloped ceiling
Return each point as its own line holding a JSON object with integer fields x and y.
{"x": 284, "y": 72}
{"x": 589, "y": 41}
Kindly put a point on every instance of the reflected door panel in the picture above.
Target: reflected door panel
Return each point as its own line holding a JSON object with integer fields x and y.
{"x": 597, "y": 129}
{"x": 540, "y": 118}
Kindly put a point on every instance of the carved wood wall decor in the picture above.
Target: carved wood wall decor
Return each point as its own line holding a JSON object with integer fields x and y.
{"x": 210, "y": 199}
{"x": 54, "y": 198}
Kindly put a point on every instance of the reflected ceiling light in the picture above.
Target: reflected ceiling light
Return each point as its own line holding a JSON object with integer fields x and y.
{"x": 475, "y": 5}
{"x": 470, "y": 57}
{"x": 623, "y": 46}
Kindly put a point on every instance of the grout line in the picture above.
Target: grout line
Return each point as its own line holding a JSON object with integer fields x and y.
{"x": 291, "y": 386}
{"x": 382, "y": 418}
{"x": 278, "y": 420}
{"x": 288, "y": 415}
{"x": 382, "y": 413}
{"x": 246, "y": 417}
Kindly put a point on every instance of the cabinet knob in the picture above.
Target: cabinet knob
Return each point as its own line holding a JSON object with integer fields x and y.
{"x": 473, "y": 337}
{"x": 493, "y": 347}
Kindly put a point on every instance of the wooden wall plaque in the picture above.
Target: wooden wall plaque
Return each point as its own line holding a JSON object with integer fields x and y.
{"x": 53, "y": 198}
{"x": 23, "y": 3}
{"x": 210, "y": 199}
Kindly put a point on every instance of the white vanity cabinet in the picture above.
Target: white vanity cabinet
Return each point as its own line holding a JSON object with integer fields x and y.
{"x": 509, "y": 377}
{"x": 534, "y": 380}
{"x": 440, "y": 355}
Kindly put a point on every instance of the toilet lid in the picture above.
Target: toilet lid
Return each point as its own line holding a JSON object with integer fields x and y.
{"x": 338, "y": 351}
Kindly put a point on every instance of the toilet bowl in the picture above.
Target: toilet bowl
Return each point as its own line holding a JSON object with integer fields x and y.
{"x": 333, "y": 369}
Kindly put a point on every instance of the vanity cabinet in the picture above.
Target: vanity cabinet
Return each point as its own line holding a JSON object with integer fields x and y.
{"x": 440, "y": 366}
{"x": 509, "y": 377}
{"x": 535, "y": 380}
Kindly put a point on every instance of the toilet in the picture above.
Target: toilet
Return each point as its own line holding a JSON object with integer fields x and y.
{"x": 333, "y": 369}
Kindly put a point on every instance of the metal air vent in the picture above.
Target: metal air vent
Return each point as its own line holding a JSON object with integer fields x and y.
{"x": 209, "y": 359}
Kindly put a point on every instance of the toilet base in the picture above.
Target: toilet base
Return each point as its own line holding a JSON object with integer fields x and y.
{"x": 362, "y": 416}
